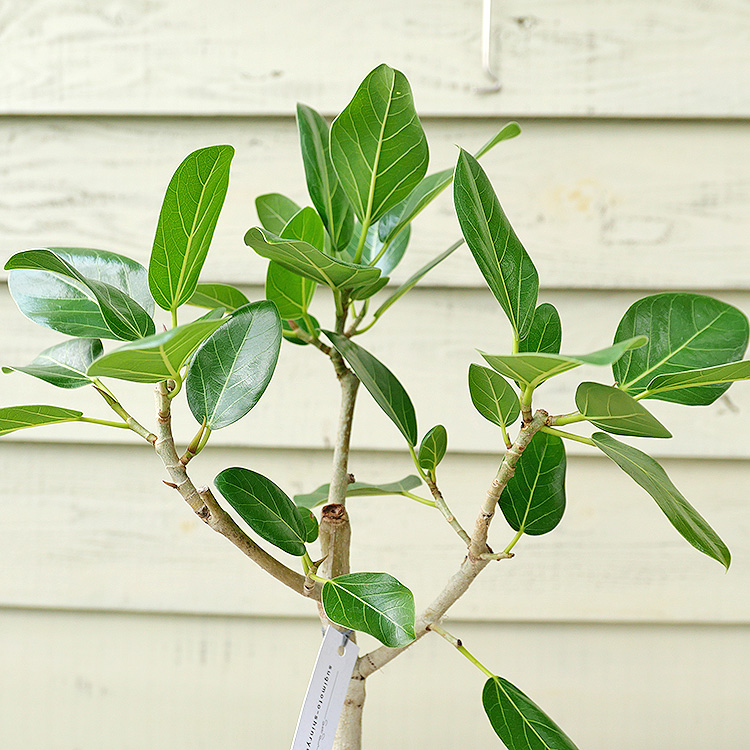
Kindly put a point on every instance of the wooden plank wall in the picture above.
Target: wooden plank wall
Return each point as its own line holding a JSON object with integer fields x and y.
{"x": 120, "y": 613}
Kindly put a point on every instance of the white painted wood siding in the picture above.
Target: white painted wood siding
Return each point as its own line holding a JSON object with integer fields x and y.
{"x": 124, "y": 621}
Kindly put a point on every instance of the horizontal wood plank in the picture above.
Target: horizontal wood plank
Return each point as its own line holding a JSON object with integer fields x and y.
{"x": 93, "y": 527}
{"x": 597, "y": 204}
{"x": 580, "y": 57}
{"x": 70, "y": 680}
{"x": 428, "y": 341}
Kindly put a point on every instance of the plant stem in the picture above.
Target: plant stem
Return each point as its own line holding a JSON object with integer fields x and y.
{"x": 564, "y": 419}
{"x": 105, "y": 422}
{"x": 174, "y": 318}
{"x": 471, "y": 566}
{"x": 507, "y": 468}
{"x": 568, "y": 436}
{"x": 419, "y": 499}
{"x": 204, "y": 504}
{"x": 362, "y": 237}
{"x": 513, "y": 542}
{"x": 459, "y": 646}
{"x": 118, "y": 409}
{"x": 526, "y": 404}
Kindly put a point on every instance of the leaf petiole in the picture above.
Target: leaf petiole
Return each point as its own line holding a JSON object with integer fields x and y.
{"x": 568, "y": 435}
{"x": 458, "y": 645}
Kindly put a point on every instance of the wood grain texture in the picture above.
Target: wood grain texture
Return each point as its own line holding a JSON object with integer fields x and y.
{"x": 626, "y": 58}
{"x": 70, "y": 679}
{"x": 434, "y": 375}
{"x": 93, "y": 527}
{"x": 597, "y": 204}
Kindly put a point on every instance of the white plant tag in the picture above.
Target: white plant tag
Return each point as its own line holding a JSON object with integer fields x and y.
{"x": 326, "y": 693}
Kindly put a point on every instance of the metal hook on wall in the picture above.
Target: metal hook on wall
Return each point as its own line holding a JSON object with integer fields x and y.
{"x": 487, "y": 51}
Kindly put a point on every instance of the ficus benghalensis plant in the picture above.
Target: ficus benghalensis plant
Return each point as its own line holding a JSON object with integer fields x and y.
{"x": 367, "y": 177}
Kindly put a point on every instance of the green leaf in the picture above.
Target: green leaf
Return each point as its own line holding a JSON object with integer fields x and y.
{"x": 186, "y": 224}
{"x": 648, "y": 474}
{"x": 511, "y": 130}
{"x": 378, "y": 147}
{"x": 368, "y": 291}
{"x": 374, "y": 244}
{"x": 306, "y": 226}
{"x": 518, "y": 721}
{"x": 305, "y": 260}
{"x": 686, "y": 332}
{"x": 708, "y": 376}
{"x": 312, "y": 529}
{"x": 493, "y": 396}
{"x": 411, "y": 282}
{"x": 290, "y": 292}
{"x": 374, "y": 603}
{"x": 613, "y": 410}
{"x": 218, "y": 295}
{"x": 382, "y": 384}
{"x": 14, "y": 418}
{"x": 432, "y": 185}
{"x": 102, "y": 302}
{"x": 275, "y": 211}
{"x": 323, "y": 185}
{"x": 64, "y": 365}
{"x": 432, "y": 448}
{"x": 358, "y": 489}
{"x": 533, "y": 501}
{"x": 290, "y": 335}
{"x": 502, "y": 259}
{"x": 545, "y": 331}
{"x": 265, "y": 507}
{"x": 533, "y": 369}
{"x": 154, "y": 358}
{"x": 233, "y": 366}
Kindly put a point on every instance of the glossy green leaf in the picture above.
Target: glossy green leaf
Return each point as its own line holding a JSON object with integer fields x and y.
{"x": 533, "y": 501}
{"x": 374, "y": 603}
{"x": 186, "y": 224}
{"x": 368, "y": 291}
{"x": 274, "y": 211}
{"x": 432, "y": 448}
{"x": 533, "y": 369}
{"x": 645, "y": 471}
{"x": 358, "y": 489}
{"x": 545, "y": 331}
{"x": 709, "y": 376}
{"x": 312, "y": 529}
{"x": 290, "y": 292}
{"x": 288, "y": 330}
{"x": 493, "y": 396}
{"x": 613, "y": 410}
{"x": 502, "y": 259}
{"x": 518, "y": 721}
{"x": 382, "y": 384}
{"x": 431, "y": 186}
{"x": 154, "y": 358}
{"x": 218, "y": 295}
{"x": 378, "y": 147}
{"x": 412, "y": 281}
{"x": 508, "y": 131}
{"x": 323, "y": 185}
{"x": 64, "y": 365}
{"x": 73, "y": 303}
{"x": 305, "y": 260}
{"x": 374, "y": 244}
{"x": 233, "y": 366}
{"x": 265, "y": 507}
{"x": 14, "y": 418}
{"x": 686, "y": 332}
{"x": 306, "y": 226}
